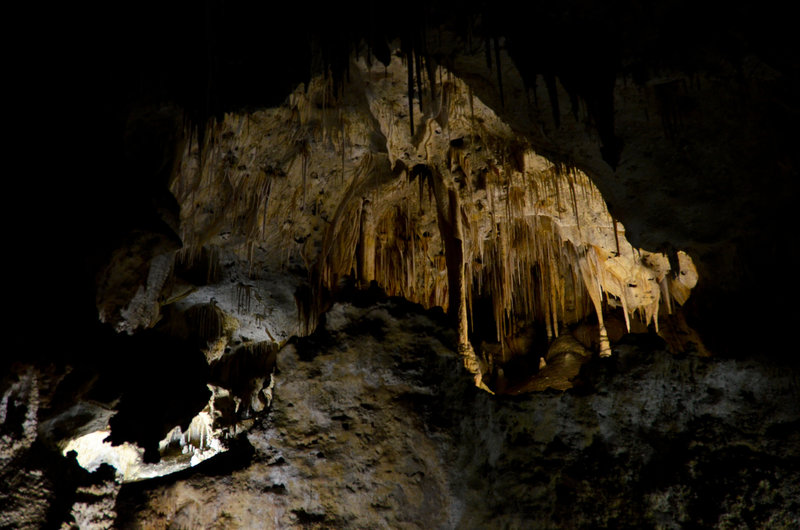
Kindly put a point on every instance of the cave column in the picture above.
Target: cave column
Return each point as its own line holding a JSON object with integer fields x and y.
{"x": 605, "y": 345}
{"x": 591, "y": 272}
{"x": 448, "y": 211}
{"x": 366, "y": 245}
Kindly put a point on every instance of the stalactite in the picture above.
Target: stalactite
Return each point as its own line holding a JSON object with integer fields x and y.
{"x": 410, "y": 64}
{"x": 206, "y": 321}
{"x": 430, "y": 68}
{"x": 499, "y": 71}
{"x": 243, "y": 292}
{"x": 305, "y": 154}
{"x": 366, "y": 245}
{"x": 343, "y": 152}
{"x": 418, "y": 70}
{"x": 471, "y": 112}
{"x": 552, "y": 92}
{"x": 574, "y": 201}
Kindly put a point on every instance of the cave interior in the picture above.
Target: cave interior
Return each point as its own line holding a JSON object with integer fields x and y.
{"x": 579, "y": 201}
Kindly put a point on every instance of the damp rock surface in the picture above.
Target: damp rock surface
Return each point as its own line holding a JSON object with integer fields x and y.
{"x": 373, "y": 425}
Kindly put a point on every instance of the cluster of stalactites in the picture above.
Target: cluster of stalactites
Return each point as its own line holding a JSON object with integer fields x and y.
{"x": 555, "y": 253}
{"x": 540, "y": 244}
{"x": 530, "y": 274}
{"x": 562, "y": 254}
{"x": 524, "y": 263}
{"x": 478, "y": 209}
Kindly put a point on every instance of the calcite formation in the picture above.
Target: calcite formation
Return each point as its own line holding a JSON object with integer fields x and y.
{"x": 433, "y": 197}
{"x": 457, "y": 162}
{"x": 239, "y": 339}
{"x": 425, "y": 192}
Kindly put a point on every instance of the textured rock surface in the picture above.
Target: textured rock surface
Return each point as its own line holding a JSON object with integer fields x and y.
{"x": 235, "y": 323}
{"x": 683, "y": 115}
{"x": 442, "y": 208}
{"x": 40, "y": 489}
{"x": 374, "y": 426}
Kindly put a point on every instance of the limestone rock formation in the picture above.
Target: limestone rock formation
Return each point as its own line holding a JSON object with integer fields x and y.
{"x": 592, "y": 204}
{"x": 374, "y": 425}
{"x": 462, "y": 208}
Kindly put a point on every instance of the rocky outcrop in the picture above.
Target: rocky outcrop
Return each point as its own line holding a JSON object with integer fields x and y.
{"x": 41, "y": 489}
{"x": 374, "y": 426}
{"x": 222, "y": 336}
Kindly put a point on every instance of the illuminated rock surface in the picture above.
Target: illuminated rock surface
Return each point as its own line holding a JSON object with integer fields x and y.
{"x": 461, "y": 209}
{"x": 593, "y": 201}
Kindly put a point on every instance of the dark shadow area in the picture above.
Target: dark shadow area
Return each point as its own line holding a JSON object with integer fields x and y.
{"x": 164, "y": 387}
{"x": 238, "y": 456}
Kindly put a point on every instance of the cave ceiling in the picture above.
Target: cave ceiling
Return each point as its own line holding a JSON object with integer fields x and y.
{"x": 682, "y": 117}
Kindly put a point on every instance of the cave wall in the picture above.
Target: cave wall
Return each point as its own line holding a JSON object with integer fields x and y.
{"x": 375, "y": 425}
